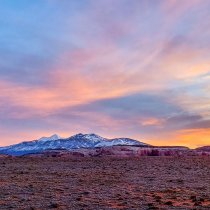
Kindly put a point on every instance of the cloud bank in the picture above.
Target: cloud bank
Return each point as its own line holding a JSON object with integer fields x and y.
{"x": 118, "y": 68}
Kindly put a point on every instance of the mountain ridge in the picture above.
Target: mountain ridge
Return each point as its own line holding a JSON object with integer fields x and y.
{"x": 73, "y": 142}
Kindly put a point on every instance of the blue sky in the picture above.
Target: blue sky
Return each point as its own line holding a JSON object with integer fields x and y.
{"x": 130, "y": 68}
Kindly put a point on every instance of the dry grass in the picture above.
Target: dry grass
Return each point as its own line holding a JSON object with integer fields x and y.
{"x": 105, "y": 183}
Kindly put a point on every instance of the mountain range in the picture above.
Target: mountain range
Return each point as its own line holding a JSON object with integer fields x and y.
{"x": 77, "y": 141}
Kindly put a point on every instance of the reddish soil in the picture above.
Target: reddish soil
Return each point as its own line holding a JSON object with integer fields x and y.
{"x": 105, "y": 183}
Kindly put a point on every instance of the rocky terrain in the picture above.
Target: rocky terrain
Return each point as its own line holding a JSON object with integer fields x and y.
{"x": 205, "y": 149}
{"x": 147, "y": 182}
{"x": 87, "y": 171}
{"x": 120, "y": 151}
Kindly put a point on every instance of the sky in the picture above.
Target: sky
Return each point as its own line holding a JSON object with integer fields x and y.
{"x": 117, "y": 68}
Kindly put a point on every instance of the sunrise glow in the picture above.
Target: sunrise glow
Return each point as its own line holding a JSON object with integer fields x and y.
{"x": 118, "y": 68}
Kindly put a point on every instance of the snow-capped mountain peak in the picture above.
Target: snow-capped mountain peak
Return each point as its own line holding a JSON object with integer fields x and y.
{"x": 74, "y": 142}
{"x": 91, "y": 137}
{"x": 53, "y": 137}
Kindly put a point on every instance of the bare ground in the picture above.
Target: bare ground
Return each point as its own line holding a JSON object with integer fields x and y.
{"x": 105, "y": 183}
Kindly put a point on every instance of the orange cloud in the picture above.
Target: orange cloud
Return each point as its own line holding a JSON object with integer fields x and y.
{"x": 191, "y": 138}
{"x": 151, "y": 121}
{"x": 82, "y": 76}
{"x": 194, "y": 137}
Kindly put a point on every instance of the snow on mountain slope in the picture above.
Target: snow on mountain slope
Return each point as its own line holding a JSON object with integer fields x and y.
{"x": 73, "y": 142}
{"x": 120, "y": 141}
{"x": 53, "y": 137}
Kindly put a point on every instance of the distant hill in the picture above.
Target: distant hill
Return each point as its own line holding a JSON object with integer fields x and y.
{"x": 203, "y": 149}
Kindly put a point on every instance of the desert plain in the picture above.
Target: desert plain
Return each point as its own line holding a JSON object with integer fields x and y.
{"x": 159, "y": 182}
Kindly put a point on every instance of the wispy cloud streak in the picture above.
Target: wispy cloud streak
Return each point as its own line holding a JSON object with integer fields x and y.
{"x": 132, "y": 68}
